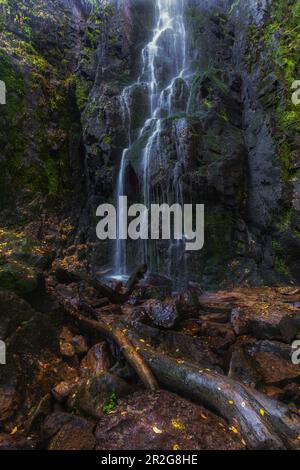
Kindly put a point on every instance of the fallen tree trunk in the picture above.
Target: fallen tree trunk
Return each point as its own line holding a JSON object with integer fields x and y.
{"x": 110, "y": 331}
{"x": 114, "y": 296}
{"x": 263, "y": 423}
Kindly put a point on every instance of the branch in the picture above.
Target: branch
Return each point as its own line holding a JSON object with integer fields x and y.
{"x": 74, "y": 307}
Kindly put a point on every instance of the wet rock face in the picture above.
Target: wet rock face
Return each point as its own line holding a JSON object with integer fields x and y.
{"x": 163, "y": 421}
{"x": 218, "y": 140}
{"x": 164, "y": 314}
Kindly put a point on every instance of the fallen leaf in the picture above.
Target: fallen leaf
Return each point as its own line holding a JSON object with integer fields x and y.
{"x": 262, "y": 412}
{"x": 231, "y": 402}
{"x": 156, "y": 430}
{"x": 176, "y": 447}
{"x": 14, "y": 431}
{"x": 176, "y": 424}
{"x": 203, "y": 416}
{"x": 234, "y": 430}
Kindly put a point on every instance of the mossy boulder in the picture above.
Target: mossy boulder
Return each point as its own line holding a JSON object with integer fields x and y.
{"x": 14, "y": 311}
{"x": 98, "y": 393}
{"x": 18, "y": 277}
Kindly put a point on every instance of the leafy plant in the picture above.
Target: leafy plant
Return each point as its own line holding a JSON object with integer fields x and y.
{"x": 110, "y": 404}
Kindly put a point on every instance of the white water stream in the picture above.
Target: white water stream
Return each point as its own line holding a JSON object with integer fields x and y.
{"x": 163, "y": 62}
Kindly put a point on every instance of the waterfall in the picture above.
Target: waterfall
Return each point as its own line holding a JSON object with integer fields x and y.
{"x": 120, "y": 253}
{"x": 120, "y": 249}
{"x": 163, "y": 63}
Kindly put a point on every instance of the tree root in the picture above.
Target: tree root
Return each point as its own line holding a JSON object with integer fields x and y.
{"x": 74, "y": 308}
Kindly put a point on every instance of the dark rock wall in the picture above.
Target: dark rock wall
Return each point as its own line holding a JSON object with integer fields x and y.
{"x": 237, "y": 143}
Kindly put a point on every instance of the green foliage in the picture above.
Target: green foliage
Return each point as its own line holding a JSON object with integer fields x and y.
{"x": 233, "y": 7}
{"x": 281, "y": 266}
{"x": 82, "y": 92}
{"x": 107, "y": 140}
{"x": 110, "y": 404}
{"x": 43, "y": 95}
{"x": 276, "y": 49}
{"x": 282, "y": 37}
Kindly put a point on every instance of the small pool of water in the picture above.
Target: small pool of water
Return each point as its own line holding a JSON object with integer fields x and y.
{"x": 117, "y": 277}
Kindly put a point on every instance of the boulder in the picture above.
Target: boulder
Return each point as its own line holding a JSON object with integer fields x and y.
{"x": 244, "y": 369}
{"x": 96, "y": 392}
{"x": 163, "y": 313}
{"x": 19, "y": 277}
{"x": 71, "y": 345}
{"x": 55, "y": 421}
{"x": 68, "y": 432}
{"x": 73, "y": 437}
{"x": 9, "y": 400}
{"x": 164, "y": 421}
{"x": 63, "y": 390}
{"x": 262, "y": 311}
{"x": 96, "y": 361}
{"x": 290, "y": 326}
{"x": 275, "y": 370}
{"x": 9, "y": 442}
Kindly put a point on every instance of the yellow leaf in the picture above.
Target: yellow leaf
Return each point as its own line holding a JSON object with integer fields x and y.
{"x": 142, "y": 341}
{"x": 231, "y": 402}
{"x": 234, "y": 430}
{"x": 156, "y": 430}
{"x": 14, "y": 431}
{"x": 176, "y": 447}
{"x": 176, "y": 424}
{"x": 262, "y": 412}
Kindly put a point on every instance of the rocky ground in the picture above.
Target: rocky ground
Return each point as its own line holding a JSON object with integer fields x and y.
{"x": 66, "y": 387}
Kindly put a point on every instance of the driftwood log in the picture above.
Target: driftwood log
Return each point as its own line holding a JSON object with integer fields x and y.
{"x": 264, "y": 423}
{"x": 110, "y": 331}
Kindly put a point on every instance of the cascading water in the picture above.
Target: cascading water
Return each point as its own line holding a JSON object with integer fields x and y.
{"x": 163, "y": 63}
{"x": 120, "y": 255}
